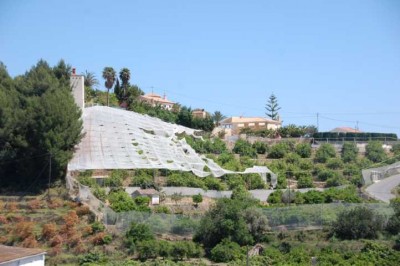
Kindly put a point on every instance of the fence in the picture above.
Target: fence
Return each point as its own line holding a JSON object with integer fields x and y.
{"x": 283, "y": 218}
{"x": 372, "y": 175}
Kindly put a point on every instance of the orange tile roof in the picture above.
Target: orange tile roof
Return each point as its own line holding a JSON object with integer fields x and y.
{"x": 345, "y": 130}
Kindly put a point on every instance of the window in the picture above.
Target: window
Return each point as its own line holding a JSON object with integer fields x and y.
{"x": 261, "y": 124}
{"x": 251, "y": 124}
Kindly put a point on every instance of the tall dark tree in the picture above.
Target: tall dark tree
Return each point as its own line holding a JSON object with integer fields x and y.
{"x": 39, "y": 122}
{"x": 125, "y": 76}
{"x": 109, "y": 76}
{"x": 218, "y": 117}
{"x": 117, "y": 90}
{"x": 272, "y": 107}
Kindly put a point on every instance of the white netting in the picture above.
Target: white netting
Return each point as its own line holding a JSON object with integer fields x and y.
{"x": 119, "y": 139}
{"x": 372, "y": 175}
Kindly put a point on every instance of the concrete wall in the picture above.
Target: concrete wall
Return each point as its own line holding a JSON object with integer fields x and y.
{"x": 78, "y": 90}
{"x": 37, "y": 260}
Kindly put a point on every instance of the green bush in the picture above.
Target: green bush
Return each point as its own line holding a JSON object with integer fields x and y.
{"x": 334, "y": 163}
{"x": 137, "y": 232}
{"x": 99, "y": 193}
{"x": 120, "y": 201}
{"x": 305, "y": 182}
{"x": 279, "y": 150}
{"x": 303, "y": 150}
{"x": 244, "y": 148}
{"x": 357, "y": 223}
{"x": 226, "y": 251}
{"x": 197, "y": 198}
{"x": 324, "y": 152}
{"x": 260, "y": 147}
{"x": 213, "y": 183}
{"x": 98, "y": 227}
{"x": 162, "y": 209}
{"x": 275, "y": 197}
{"x": 327, "y": 174}
{"x": 349, "y": 152}
{"x": 374, "y": 151}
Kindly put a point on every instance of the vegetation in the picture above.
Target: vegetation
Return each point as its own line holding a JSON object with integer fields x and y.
{"x": 39, "y": 123}
{"x": 272, "y": 107}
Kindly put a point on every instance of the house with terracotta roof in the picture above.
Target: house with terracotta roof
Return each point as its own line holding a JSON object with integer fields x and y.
{"x": 156, "y": 100}
{"x": 236, "y": 124}
{"x": 345, "y": 130}
{"x": 13, "y": 256}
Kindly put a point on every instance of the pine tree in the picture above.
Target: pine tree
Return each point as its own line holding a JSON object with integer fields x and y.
{"x": 272, "y": 107}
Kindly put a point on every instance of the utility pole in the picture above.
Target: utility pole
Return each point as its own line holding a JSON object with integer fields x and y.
{"x": 318, "y": 122}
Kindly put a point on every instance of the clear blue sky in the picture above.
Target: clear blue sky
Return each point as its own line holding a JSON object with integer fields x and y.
{"x": 338, "y": 58}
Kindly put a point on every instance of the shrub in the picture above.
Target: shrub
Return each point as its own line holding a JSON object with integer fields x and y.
{"x": 23, "y": 230}
{"x": 30, "y": 242}
{"x": 49, "y": 231}
{"x": 56, "y": 240}
{"x": 226, "y": 251}
{"x": 162, "y": 209}
{"x": 185, "y": 249}
{"x": 147, "y": 249}
{"x": 82, "y": 210}
{"x": 357, "y": 223}
{"x": 335, "y": 181}
{"x": 314, "y": 197}
{"x": 304, "y": 150}
{"x": 374, "y": 151}
{"x": 334, "y": 163}
{"x": 326, "y": 174}
{"x": 120, "y": 201}
{"x": 197, "y": 199}
{"x": 71, "y": 218}
{"x": 395, "y": 149}
{"x": 184, "y": 226}
{"x": 214, "y": 183}
{"x": 1, "y": 205}
{"x": 275, "y": 197}
{"x": 260, "y": 147}
{"x": 324, "y": 152}
{"x": 349, "y": 152}
{"x": 305, "y": 182}
{"x": 55, "y": 203}
{"x": 99, "y": 239}
{"x": 136, "y": 233}
{"x": 97, "y": 227}
{"x": 34, "y": 204}
{"x": 12, "y": 206}
{"x": 279, "y": 150}
{"x": 100, "y": 193}
{"x": 244, "y": 148}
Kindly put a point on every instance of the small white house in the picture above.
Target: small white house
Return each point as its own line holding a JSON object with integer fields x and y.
{"x": 16, "y": 256}
{"x": 153, "y": 194}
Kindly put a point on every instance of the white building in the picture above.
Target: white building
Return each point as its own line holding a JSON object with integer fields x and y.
{"x": 16, "y": 256}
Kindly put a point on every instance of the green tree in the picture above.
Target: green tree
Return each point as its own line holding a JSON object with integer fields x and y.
{"x": 138, "y": 232}
{"x": 357, "y": 223}
{"x": 217, "y": 117}
{"x": 375, "y": 152}
{"x": 226, "y": 220}
{"x": 38, "y": 119}
{"x": 324, "y": 152}
{"x": 90, "y": 79}
{"x": 109, "y": 76}
{"x": 272, "y": 107}
{"x": 349, "y": 152}
{"x": 125, "y": 76}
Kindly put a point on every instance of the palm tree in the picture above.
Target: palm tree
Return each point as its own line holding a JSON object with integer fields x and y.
{"x": 109, "y": 76}
{"x": 217, "y": 117}
{"x": 90, "y": 79}
{"x": 125, "y": 76}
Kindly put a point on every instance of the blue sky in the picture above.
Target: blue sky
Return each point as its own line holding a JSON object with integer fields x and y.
{"x": 340, "y": 58}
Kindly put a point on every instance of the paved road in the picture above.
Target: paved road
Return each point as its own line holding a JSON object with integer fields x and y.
{"x": 381, "y": 190}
